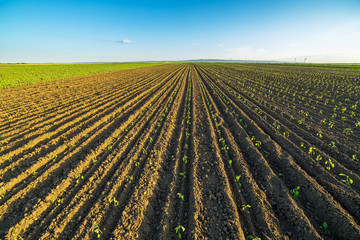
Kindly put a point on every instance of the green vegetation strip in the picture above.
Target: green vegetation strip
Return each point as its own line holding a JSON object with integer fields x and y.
{"x": 14, "y": 75}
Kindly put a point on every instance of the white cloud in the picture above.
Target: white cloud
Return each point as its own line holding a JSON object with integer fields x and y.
{"x": 125, "y": 41}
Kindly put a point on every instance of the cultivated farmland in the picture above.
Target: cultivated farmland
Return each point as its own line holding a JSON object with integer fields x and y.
{"x": 190, "y": 151}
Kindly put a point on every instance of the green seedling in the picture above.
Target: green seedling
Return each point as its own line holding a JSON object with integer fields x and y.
{"x": 78, "y": 177}
{"x": 258, "y": 144}
{"x": 97, "y": 231}
{"x": 34, "y": 174}
{"x": 17, "y": 237}
{"x": 281, "y": 175}
{"x": 137, "y": 164}
{"x": 318, "y": 158}
{"x": 151, "y": 139}
{"x": 116, "y": 203}
{"x": 325, "y": 227}
{"x": 267, "y": 154}
{"x": 329, "y": 164}
{"x": 179, "y": 229}
{"x": 295, "y": 192}
{"x": 230, "y": 162}
{"x": 348, "y": 131}
{"x": 347, "y": 180}
{"x": 286, "y": 134}
{"x": 129, "y": 178}
{"x": 182, "y": 174}
{"x": 238, "y": 180}
{"x": 2, "y": 192}
{"x": 93, "y": 159}
{"x": 354, "y": 158}
{"x": 144, "y": 151}
{"x": 186, "y": 146}
{"x": 311, "y": 151}
{"x": 109, "y": 146}
{"x": 245, "y": 207}
{"x": 302, "y": 145}
{"x": 53, "y": 157}
{"x": 253, "y": 238}
{"x": 181, "y": 196}
{"x": 57, "y": 201}
{"x": 319, "y": 134}
{"x": 185, "y": 159}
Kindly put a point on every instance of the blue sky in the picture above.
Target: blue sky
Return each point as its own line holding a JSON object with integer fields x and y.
{"x": 94, "y": 31}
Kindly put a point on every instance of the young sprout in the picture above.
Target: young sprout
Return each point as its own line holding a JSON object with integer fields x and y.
{"x": 354, "y": 158}
{"x": 182, "y": 174}
{"x": 286, "y": 134}
{"x": 230, "y": 162}
{"x": 329, "y": 164}
{"x": 319, "y": 134}
{"x": 311, "y": 151}
{"x": 93, "y": 159}
{"x": 181, "y": 196}
{"x": 151, "y": 140}
{"x": 295, "y": 192}
{"x": 302, "y": 145}
{"x": 116, "y": 203}
{"x": 245, "y": 207}
{"x": 348, "y": 131}
{"x": 57, "y": 201}
{"x": 97, "y": 231}
{"x": 34, "y": 173}
{"x": 137, "y": 164}
{"x": 253, "y": 238}
{"x": 280, "y": 175}
{"x": 318, "y": 158}
{"x": 17, "y": 236}
{"x": 185, "y": 159}
{"x": 179, "y": 229}
{"x": 347, "y": 180}
{"x": 129, "y": 178}
{"x": 238, "y": 180}
{"x": 2, "y": 192}
{"x": 258, "y": 144}
{"x": 144, "y": 151}
{"x": 325, "y": 227}
{"x": 78, "y": 177}
{"x": 267, "y": 154}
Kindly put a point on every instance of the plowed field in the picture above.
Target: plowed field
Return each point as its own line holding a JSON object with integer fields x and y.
{"x": 197, "y": 151}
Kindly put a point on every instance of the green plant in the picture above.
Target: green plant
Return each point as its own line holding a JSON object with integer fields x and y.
{"x": 179, "y": 229}
{"x": 245, "y": 207}
{"x": 182, "y": 174}
{"x": 144, "y": 151}
{"x": 137, "y": 164}
{"x": 181, "y": 196}
{"x": 129, "y": 178}
{"x": 34, "y": 173}
{"x": 329, "y": 164}
{"x": 348, "y": 131}
{"x": 258, "y": 144}
{"x": 302, "y": 145}
{"x": 17, "y": 237}
{"x": 332, "y": 144}
{"x": 230, "y": 162}
{"x": 57, "y": 201}
{"x": 347, "y": 180}
{"x": 325, "y": 227}
{"x": 318, "y": 158}
{"x": 2, "y": 192}
{"x": 286, "y": 134}
{"x": 116, "y": 203}
{"x": 93, "y": 159}
{"x": 354, "y": 158}
{"x": 238, "y": 180}
{"x": 78, "y": 177}
{"x": 185, "y": 159}
{"x": 267, "y": 154}
{"x": 295, "y": 192}
{"x": 319, "y": 134}
{"x": 151, "y": 139}
{"x": 281, "y": 175}
{"x": 253, "y": 238}
{"x": 97, "y": 231}
{"x": 311, "y": 151}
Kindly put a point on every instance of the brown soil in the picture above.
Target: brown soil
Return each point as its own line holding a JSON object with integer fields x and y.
{"x": 190, "y": 149}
